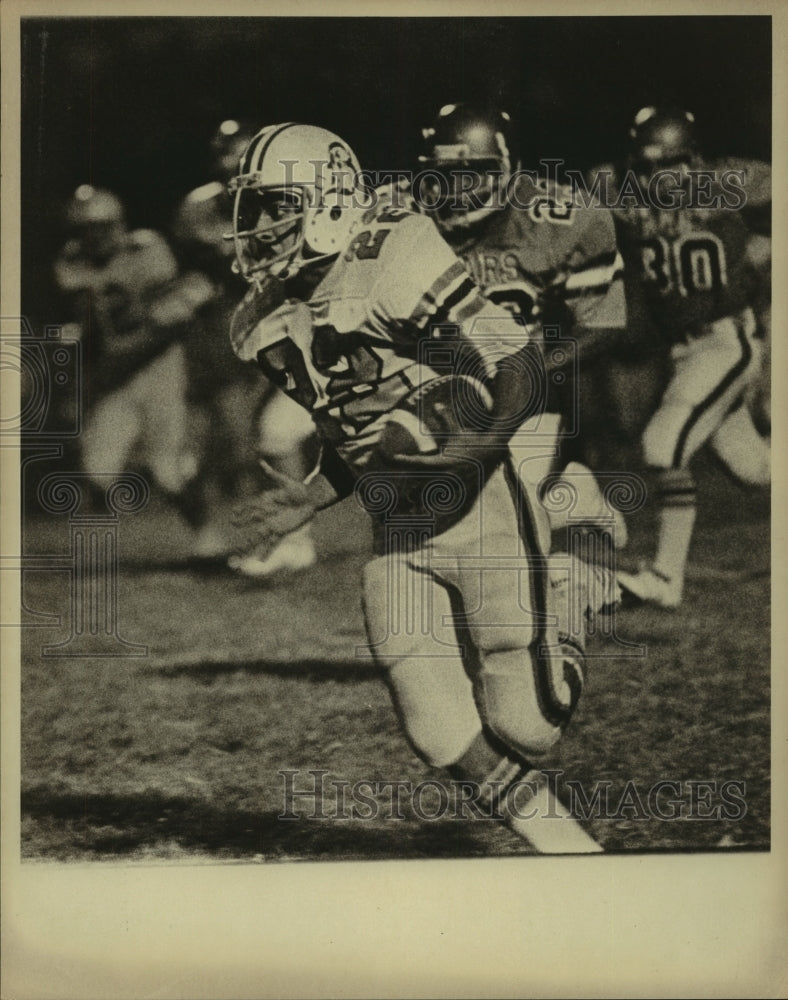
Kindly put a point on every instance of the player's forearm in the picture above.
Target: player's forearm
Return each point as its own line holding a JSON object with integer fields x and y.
{"x": 512, "y": 403}
{"x": 512, "y": 390}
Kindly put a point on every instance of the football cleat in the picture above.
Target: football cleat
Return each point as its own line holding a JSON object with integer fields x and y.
{"x": 295, "y": 552}
{"x": 649, "y": 586}
{"x": 530, "y": 813}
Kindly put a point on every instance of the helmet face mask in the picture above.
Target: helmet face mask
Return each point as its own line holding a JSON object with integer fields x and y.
{"x": 297, "y": 199}
{"x": 468, "y": 166}
{"x": 460, "y": 193}
{"x": 270, "y": 227}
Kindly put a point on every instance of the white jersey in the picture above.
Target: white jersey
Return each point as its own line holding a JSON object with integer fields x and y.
{"x": 351, "y": 353}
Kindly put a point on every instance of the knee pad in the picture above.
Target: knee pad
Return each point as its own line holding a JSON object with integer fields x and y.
{"x": 530, "y": 698}
{"x": 438, "y": 737}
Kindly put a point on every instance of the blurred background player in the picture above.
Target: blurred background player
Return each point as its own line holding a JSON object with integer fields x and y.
{"x": 548, "y": 262}
{"x": 343, "y": 299}
{"x": 133, "y": 310}
{"x": 246, "y": 418}
{"x": 686, "y": 244}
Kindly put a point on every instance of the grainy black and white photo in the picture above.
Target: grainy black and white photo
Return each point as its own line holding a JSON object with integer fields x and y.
{"x": 394, "y": 438}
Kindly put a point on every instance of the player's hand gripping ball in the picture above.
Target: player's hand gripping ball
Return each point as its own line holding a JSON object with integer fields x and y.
{"x": 421, "y": 449}
{"x": 443, "y": 412}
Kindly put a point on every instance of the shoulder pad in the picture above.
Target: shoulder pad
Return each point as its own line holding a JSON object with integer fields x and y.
{"x": 393, "y": 196}
{"x": 389, "y": 209}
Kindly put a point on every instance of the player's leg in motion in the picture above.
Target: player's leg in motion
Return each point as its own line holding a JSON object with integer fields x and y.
{"x": 170, "y": 449}
{"x": 286, "y": 437}
{"x": 702, "y": 403}
{"x": 482, "y": 685}
{"x": 112, "y": 428}
{"x": 557, "y": 469}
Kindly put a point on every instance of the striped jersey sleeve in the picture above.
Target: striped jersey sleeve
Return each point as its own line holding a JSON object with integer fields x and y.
{"x": 423, "y": 283}
{"x": 594, "y": 287}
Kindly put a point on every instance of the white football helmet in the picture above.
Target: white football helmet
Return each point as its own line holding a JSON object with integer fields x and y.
{"x": 297, "y": 199}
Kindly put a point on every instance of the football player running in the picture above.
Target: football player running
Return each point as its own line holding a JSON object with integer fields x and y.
{"x": 248, "y": 419}
{"x": 686, "y": 239}
{"x": 363, "y": 315}
{"x": 133, "y": 310}
{"x": 549, "y": 262}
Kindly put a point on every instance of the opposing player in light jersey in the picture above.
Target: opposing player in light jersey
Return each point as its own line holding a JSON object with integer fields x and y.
{"x": 552, "y": 263}
{"x": 134, "y": 310}
{"x": 415, "y": 383}
{"x": 686, "y": 244}
{"x": 247, "y": 418}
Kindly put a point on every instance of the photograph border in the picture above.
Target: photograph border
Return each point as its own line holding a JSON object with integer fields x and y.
{"x": 618, "y": 926}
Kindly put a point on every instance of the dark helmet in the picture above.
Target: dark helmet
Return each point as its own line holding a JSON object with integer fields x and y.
{"x": 228, "y": 145}
{"x": 467, "y": 139}
{"x": 662, "y": 138}
{"x": 464, "y": 133}
{"x": 95, "y": 218}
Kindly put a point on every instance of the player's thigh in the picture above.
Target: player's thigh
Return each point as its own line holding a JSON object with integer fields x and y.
{"x": 408, "y": 617}
{"x": 534, "y": 449}
{"x": 171, "y": 434}
{"x": 710, "y": 375}
{"x": 504, "y": 612}
{"x": 112, "y": 429}
{"x": 491, "y": 558}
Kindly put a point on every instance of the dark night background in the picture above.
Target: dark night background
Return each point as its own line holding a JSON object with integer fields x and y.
{"x": 130, "y": 103}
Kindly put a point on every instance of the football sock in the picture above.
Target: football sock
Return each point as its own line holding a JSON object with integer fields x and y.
{"x": 676, "y": 496}
{"x": 489, "y": 765}
{"x": 523, "y": 797}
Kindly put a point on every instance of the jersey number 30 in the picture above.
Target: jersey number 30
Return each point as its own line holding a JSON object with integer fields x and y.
{"x": 689, "y": 265}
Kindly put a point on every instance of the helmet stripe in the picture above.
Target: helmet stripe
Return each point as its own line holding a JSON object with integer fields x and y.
{"x": 256, "y": 151}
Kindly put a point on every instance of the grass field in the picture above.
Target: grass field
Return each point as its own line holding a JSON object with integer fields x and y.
{"x": 176, "y": 754}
